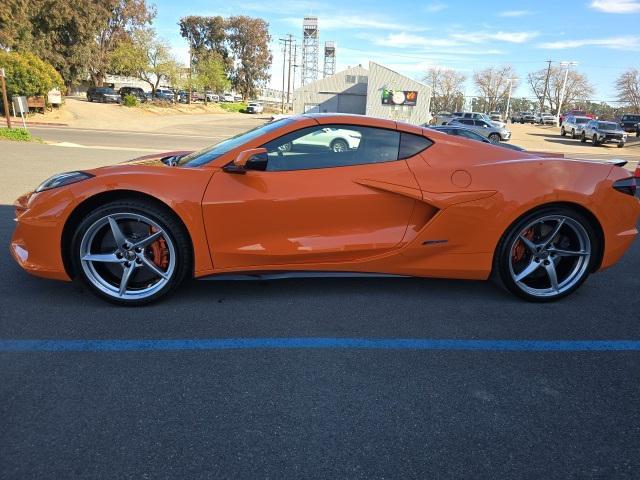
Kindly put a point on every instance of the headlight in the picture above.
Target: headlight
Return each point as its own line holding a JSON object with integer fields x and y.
{"x": 62, "y": 179}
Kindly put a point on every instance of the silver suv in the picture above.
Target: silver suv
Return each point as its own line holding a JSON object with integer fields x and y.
{"x": 600, "y": 132}
{"x": 573, "y": 125}
{"x": 484, "y": 128}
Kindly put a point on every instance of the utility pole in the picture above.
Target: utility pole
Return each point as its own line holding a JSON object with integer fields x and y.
{"x": 190, "y": 73}
{"x": 568, "y": 66}
{"x": 546, "y": 86}
{"x": 295, "y": 64}
{"x": 5, "y": 102}
{"x": 289, "y": 72}
{"x": 286, "y": 43}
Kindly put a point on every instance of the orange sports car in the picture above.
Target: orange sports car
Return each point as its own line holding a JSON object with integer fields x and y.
{"x": 330, "y": 195}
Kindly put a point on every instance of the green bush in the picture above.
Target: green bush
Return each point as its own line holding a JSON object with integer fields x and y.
{"x": 233, "y": 107}
{"x": 17, "y": 134}
{"x": 28, "y": 75}
{"x": 130, "y": 101}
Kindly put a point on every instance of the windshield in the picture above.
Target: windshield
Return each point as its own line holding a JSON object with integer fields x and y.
{"x": 631, "y": 118}
{"x": 208, "y": 154}
{"x": 607, "y": 126}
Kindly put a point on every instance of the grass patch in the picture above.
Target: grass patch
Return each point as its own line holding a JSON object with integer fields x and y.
{"x": 236, "y": 107}
{"x": 17, "y": 135}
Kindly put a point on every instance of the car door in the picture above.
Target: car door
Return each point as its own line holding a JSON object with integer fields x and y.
{"x": 312, "y": 205}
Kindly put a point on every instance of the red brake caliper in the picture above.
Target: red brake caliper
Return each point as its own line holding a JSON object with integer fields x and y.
{"x": 519, "y": 250}
{"x": 160, "y": 251}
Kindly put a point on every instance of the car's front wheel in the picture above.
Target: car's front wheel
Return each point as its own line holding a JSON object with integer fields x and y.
{"x": 339, "y": 145}
{"x": 494, "y": 138}
{"x": 562, "y": 132}
{"x": 130, "y": 252}
{"x": 547, "y": 255}
{"x": 573, "y": 133}
{"x": 595, "y": 141}
{"x": 583, "y": 138}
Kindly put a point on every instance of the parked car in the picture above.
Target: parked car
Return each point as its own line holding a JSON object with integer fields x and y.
{"x": 495, "y": 116}
{"x": 228, "y": 97}
{"x": 600, "y": 132}
{"x": 211, "y": 97}
{"x": 443, "y": 118}
{"x": 333, "y": 139}
{"x": 254, "y": 107}
{"x": 576, "y": 113}
{"x": 545, "y": 118}
{"x": 573, "y": 125}
{"x": 134, "y": 91}
{"x": 629, "y": 122}
{"x": 132, "y": 232}
{"x": 103, "y": 95}
{"x": 523, "y": 117}
{"x": 165, "y": 94}
{"x": 463, "y": 131}
{"x": 483, "y": 116}
{"x": 484, "y": 128}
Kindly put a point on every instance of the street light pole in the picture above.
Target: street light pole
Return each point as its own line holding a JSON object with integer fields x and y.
{"x": 506, "y": 115}
{"x": 568, "y": 65}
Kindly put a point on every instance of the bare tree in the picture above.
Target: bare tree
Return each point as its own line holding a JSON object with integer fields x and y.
{"x": 493, "y": 84}
{"x": 578, "y": 87}
{"x": 447, "y": 85}
{"x": 628, "y": 85}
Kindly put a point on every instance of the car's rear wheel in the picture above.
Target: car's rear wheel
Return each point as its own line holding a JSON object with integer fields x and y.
{"x": 130, "y": 252}
{"x": 583, "y": 138}
{"x": 562, "y": 132}
{"x": 594, "y": 140}
{"x": 494, "y": 138}
{"x": 547, "y": 255}
{"x": 620, "y": 145}
{"x": 573, "y": 133}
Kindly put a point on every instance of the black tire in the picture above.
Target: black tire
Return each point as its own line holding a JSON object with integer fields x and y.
{"x": 522, "y": 122}
{"x": 163, "y": 217}
{"x": 89, "y": 99}
{"x": 494, "y": 138}
{"x": 595, "y": 141}
{"x": 501, "y": 267}
{"x": 573, "y": 133}
{"x": 583, "y": 138}
{"x": 562, "y": 132}
{"x": 620, "y": 145}
{"x": 339, "y": 145}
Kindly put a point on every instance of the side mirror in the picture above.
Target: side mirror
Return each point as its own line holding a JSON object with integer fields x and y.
{"x": 252, "y": 159}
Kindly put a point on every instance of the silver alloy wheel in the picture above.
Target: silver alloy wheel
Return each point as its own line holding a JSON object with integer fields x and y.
{"x": 494, "y": 138}
{"x": 549, "y": 256}
{"x": 121, "y": 263}
{"x": 339, "y": 146}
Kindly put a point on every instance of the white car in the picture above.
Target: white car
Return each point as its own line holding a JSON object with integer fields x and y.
{"x": 212, "y": 97}
{"x": 545, "y": 118}
{"x": 228, "y": 97}
{"x": 336, "y": 139}
{"x": 254, "y": 107}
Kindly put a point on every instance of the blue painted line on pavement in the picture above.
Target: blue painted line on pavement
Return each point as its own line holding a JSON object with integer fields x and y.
{"x": 113, "y": 345}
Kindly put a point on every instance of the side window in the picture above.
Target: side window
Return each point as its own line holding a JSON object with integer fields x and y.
{"x": 411, "y": 145}
{"x": 467, "y": 121}
{"x": 328, "y": 146}
{"x": 471, "y": 135}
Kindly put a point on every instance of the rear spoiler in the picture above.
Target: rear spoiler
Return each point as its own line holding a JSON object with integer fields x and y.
{"x": 618, "y": 162}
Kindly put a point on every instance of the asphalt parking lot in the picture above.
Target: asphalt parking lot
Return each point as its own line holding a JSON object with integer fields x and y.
{"x": 318, "y": 378}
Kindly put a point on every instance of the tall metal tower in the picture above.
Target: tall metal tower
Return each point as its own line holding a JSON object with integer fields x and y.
{"x": 310, "y": 47}
{"x": 329, "y": 59}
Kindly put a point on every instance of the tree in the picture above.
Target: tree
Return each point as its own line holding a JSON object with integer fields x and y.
{"x": 144, "y": 56}
{"x": 28, "y": 75}
{"x": 124, "y": 19}
{"x": 249, "y": 44}
{"x": 210, "y": 75}
{"x": 578, "y": 87}
{"x": 493, "y": 84}
{"x": 206, "y": 35}
{"x": 628, "y": 86}
{"x": 447, "y": 88}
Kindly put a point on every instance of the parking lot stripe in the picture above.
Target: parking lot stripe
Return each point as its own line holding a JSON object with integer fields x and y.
{"x": 114, "y": 345}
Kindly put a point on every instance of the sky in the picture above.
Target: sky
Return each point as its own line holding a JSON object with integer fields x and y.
{"x": 602, "y": 36}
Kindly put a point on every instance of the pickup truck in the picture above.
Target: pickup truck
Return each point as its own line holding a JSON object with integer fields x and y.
{"x": 523, "y": 117}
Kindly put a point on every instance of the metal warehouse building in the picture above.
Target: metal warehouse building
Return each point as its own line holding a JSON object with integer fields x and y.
{"x": 376, "y": 92}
